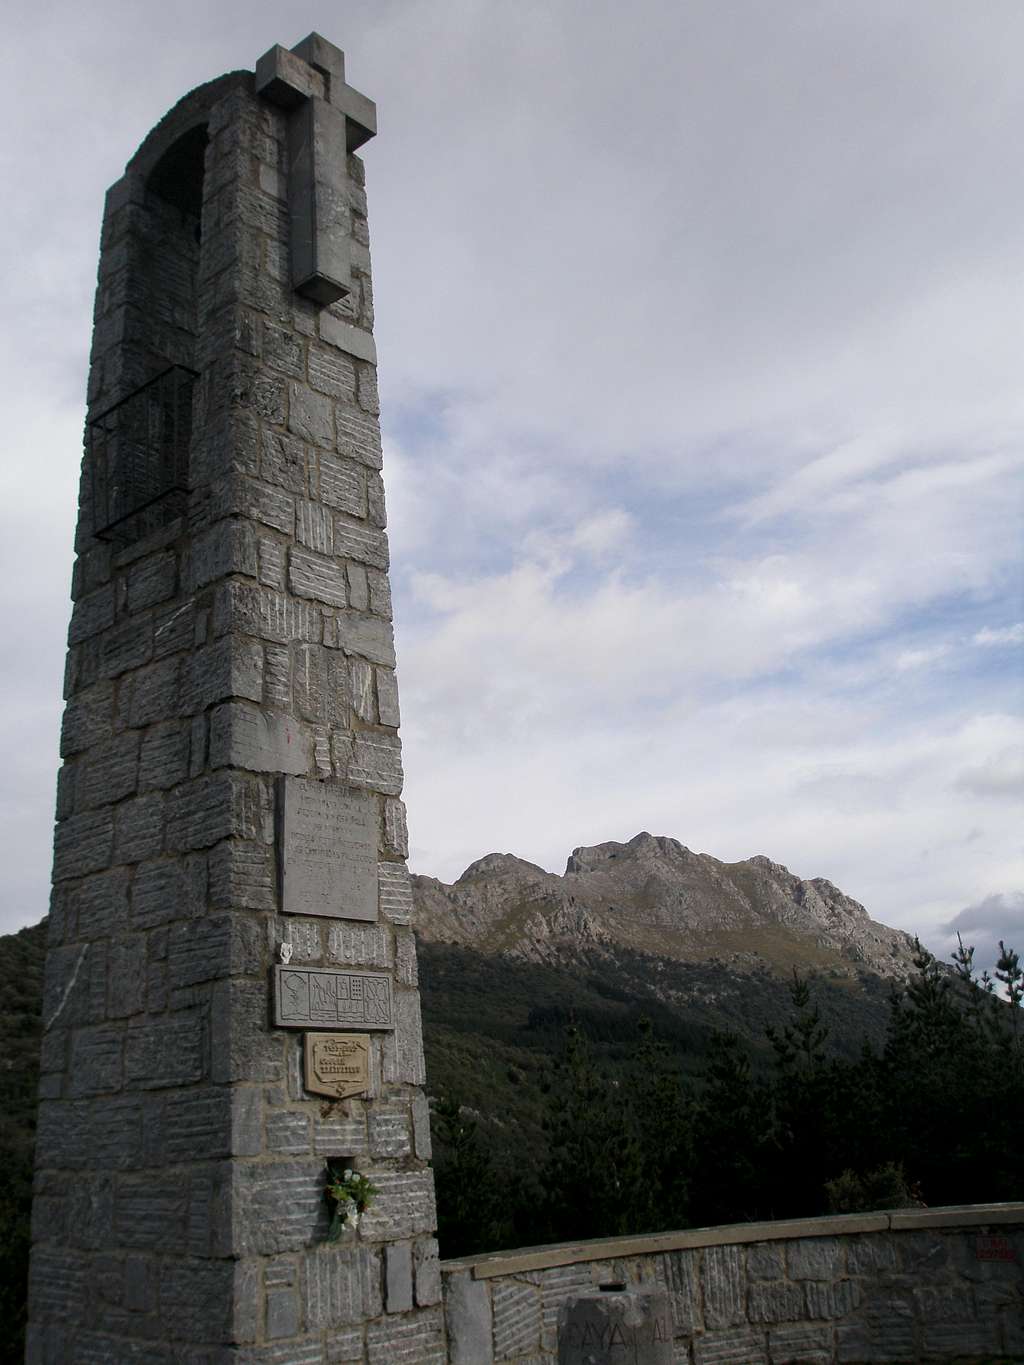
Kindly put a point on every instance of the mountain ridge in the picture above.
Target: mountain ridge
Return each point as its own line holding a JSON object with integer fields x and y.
{"x": 655, "y": 896}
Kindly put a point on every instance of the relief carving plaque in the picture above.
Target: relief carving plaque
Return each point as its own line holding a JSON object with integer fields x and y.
{"x": 337, "y": 1064}
{"x": 328, "y": 850}
{"x": 305, "y": 997}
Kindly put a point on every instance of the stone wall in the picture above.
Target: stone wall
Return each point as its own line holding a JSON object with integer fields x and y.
{"x": 914, "y": 1285}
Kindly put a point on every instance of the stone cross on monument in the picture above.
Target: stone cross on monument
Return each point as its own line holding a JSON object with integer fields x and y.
{"x": 327, "y": 119}
{"x": 231, "y": 1012}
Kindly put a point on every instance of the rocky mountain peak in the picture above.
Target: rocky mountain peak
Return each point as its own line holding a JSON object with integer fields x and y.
{"x": 653, "y": 895}
{"x": 641, "y": 846}
{"x": 501, "y": 865}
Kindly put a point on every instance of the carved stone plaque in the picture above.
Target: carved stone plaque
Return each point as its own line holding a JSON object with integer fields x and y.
{"x": 305, "y": 997}
{"x": 328, "y": 850}
{"x": 337, "y": 1064}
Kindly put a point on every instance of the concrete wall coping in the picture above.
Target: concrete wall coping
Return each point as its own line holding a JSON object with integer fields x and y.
{"x": 491, "y": 1264}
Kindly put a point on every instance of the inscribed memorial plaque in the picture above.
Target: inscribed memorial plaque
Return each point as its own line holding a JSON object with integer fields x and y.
{"x": 328, "y": 850}
{"x": 337, "y": 1064}
{"x": 305, "y": 997}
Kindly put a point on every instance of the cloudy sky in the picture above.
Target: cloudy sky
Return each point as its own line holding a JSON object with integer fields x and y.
{"x": 700, "y": 328}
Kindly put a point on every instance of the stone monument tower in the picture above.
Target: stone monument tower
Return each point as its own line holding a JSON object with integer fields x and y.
{"x": 231, "y": 1002}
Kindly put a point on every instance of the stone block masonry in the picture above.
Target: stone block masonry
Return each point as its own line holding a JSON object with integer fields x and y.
{"x": 911, "y": 1285}
{"x": 231, "y": 634}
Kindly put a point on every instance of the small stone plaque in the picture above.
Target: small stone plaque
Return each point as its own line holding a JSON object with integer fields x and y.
{"x": 328, "y": 850}
{"x": 307, "y": 996}
{"x": 337, "y": 1064}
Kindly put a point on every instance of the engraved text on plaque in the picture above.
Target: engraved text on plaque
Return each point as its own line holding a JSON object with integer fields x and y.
{"x": 337, "y": 1064}
{"x": 305, "y": 997}
{"x": 328, "y": 850}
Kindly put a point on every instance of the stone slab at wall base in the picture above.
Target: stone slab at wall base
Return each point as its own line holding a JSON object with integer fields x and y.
{"x": 908, "y": 1285}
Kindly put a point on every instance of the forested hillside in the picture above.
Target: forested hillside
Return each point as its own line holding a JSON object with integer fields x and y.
{"x": 21, "y": 991}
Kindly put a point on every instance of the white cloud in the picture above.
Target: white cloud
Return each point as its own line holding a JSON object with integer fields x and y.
{"x": 1005, "y": 635}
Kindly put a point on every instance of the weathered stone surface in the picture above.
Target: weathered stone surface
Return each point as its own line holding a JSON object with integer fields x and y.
{"x": 358, "y": 435}
{"x": 808, "y": 1344}
{"x": 680, "y": 1276}
{"x": 314, "y": 527}
{"x": 328, "y": 851}
{"x": 726, "y": 1348}
{"x": 814, "y": 1258}
{"x": 277, "y": 1206}
{"x": 342, "y": 485}
{"x": 389, "y": 1126}
{"x": 311, "y": 416}
{"x": 168, "y": 1053}
{"x": 403, "y": 1049}
{"x": 516, "y": 1311}
{"x": 358, "y": 588}
{"x": 867, "y": 1254}
{"x": 396, "y": 829}
{"x": 96, "y": 1066}
{"x": 361, "y": 543}
{"x": 242, "y": 876}
{"x": 244, "y": 736}
{"x": 223, "y": 805}
{"x": 722, "y": 1278}
{"x": 881, "y": 1342}
{"x": 775, "y": 1301}
{"x": 241, "y": 1048}
{"x": 468, "y": 1317}
{"x": 362, "y": 945}
{"x": 83, "y": 844}
{"x": 377, "y": 763}
{"x": 406, "y": 967}
{"x": 139, "y": 828}
{"x": 93, "y": 613}
{"x": 415, "y": 1339}
{"x": 267, "y": 615}
{"x": 101, "y": 904}
{"x": 341, "y": 1134}
{"x": 826, "y": 1300}
{"x": 398, "y": 1296}
{"x": 317, "y": 577}
{"x": 353, "y": 340}
{"x": 229, "y": 668}
{"x": 387, "y": 697}
{"x": 126, "y": 646}
{"x": 163, "y": 755}
{"x": 110, "y": 772}
{"x": 403, "y": 1208}
{"x": 369, "y": 636}
{"x": 226, "y": 548}
{"x": 212, "y": 947}
{"x": 363, "y": 700}
{"x": 766, "y": 1261}
{"x": 126, "y": 976}
{"x": 166, "y": 890}
{"x": 427, "y": 1268}
{"x": 87, "y": 719}
{"x": 341, "y": 1287}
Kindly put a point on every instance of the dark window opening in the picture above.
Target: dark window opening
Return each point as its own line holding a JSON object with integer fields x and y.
{"x": 139, "y": 457}
{"x": 177, "y": 178}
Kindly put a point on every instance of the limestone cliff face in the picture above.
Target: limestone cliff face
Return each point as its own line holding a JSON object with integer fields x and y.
{"x": 654, "y": 895}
